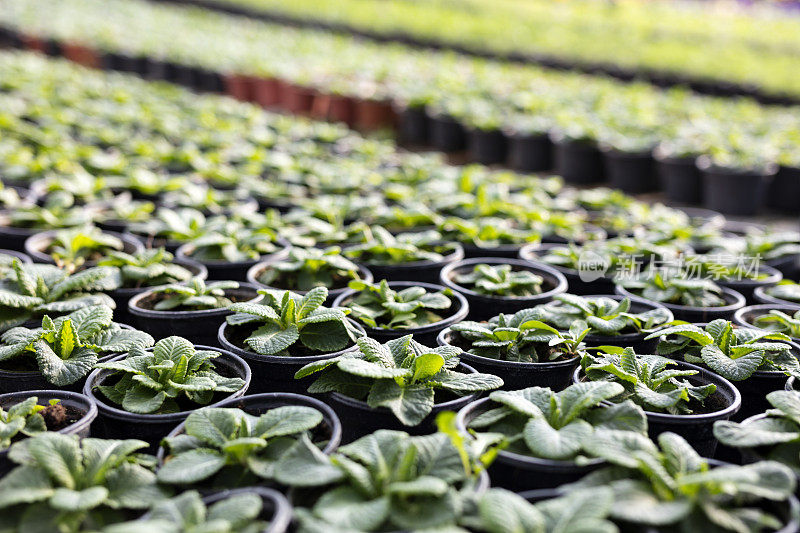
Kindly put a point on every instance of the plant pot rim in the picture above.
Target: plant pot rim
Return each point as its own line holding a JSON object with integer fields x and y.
{"x": 136, "y": 310}
{"x": 773, "y": 277}
{"x": 460, "y": 313}
{"x": 760, "y": 293}
{"x": 22, "y": 256}
{"x": 184, "y": 251}
{"x": 727, "y": 293}
{"x": 277, "y": 359}
{"x": 266, "y": 397}
{"x": 521, "y": 264}
{"x": 53, "y": 394}
{"x": 120, "y": 414}
{"x": 739, "y": 316}
{"x": 254, "y": 271}
{"x": 455, "y": 255}
{"x": 442, "y": 339}
{"x": 361, "y": 405}
{"x": 707, "y": 376}
{"x": 519, "y": 460}
{"x": 705, "y": 165}
{"x": 130, "y": 244}
{"x": 526, "y": 253}
{"x": 202, "y": 273}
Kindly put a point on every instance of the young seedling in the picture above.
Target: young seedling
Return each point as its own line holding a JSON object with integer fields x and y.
{"x": 501, "y": 280}
{"x": 379, "y": 306}
{"x": 193, "y": 296}
{"x": 306, "y": 268}
{"x": 148, "y": 268}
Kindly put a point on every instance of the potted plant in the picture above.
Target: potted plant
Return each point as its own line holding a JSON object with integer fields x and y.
{"x": 306, "y": 268}
{"x": 495, "y": 286}
{"x": 389, "y": 310}
{"x": 757, "y": 361}
{"x": 544, "y": 431}
{"x": 251, "y": 509}
{"x": 78, "y": 248}
{"x": 152, "y": 267}
{"x": 399, "y": 474}
{"x": 170, "y": 228}
{"x": 146, "y": 393}
{"x": 770, "y": 317}
{"x": 490, "y": 236}
{"x": 19, "y": 224}
{"x": 676, "y": 396}
{"x": 529, "y": 147}
{"x": 520, "y": 349}
{"x": 677, "y": 170}
{"x": 404, "y": 257}
{"x": 399, "y": 384}
{"x": 689, "y": 299}
{"x": 24, "y": 415}
{"x": 63, "y": 350}
{"x": 628, "y": 159}
{"x": 726, "y": 270}
{"x": 285, "y": 331}
{"x": 786, "y": 292}
{"x": 35, "y": 290}
{"x": 576, "y": 155}
{"x": 735, "y": 180}
{"x": 106, "y": 482}
{"x": 192, "y": 311}
{"x": 202, "y": 452}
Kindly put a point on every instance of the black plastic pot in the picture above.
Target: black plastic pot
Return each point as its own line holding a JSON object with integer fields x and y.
{"x": 70, "y": 400}
{"x": 484, "y": 307}
{"x": 272, "y": 373}
{"x": 789, "y": 265}
{"x": 517, "y": 472}
{"x": 487, "y": 147}
{"x": 734, "y": 192}
{"x": 577, "y": 162}
{"x": 421, "y": 271}
{"x": 746, "y": 287}
{"x": 200, "y": 326}
{"x": 425, "y": 335}
{"x": 115, "y": 423}
{"x": 634, "y": 340}
{"x": 632, "y": 172}
{"x": 256, "y": 270}
{"x": 258, "y": 404}
{"x": 225, "y": 270}
{"x": 746, "y": 316}
{"x": 556, "y": 375}
{"x": 123, "y": 295}
{"x": 359, "y": 419}
{"x": 760, "y": 296}
{"x": 446, "y": 133}
{"x": 699, "y": 314}
{"x": 680, "y": 179}
{"x": 755, "y": 389}
{"x": 578, "y": 283}
{"x": 530, "y": 153}
{"x": 13, "y": 238}
{"x": 784, "y": 191}
{"x": 697, "y": 429}
{"x": 413, "y": 126}
{"x": 36, "y": 244}
{"x": 23, "y": 258}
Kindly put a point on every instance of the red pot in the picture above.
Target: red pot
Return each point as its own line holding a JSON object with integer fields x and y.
{"x": 83, "y": 55}
{"x": 334, "y": 107}
{"x": 266, "y": 91}
{"x": 297, "y": 99}
{"x": 374, "y": 115}
{"x": 34, "y": 43}
{"x": 239, "y": 86}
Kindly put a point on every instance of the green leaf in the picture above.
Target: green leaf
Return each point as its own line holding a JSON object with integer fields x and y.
{"x": 69, "y": 500}
{"x": 312, "y": 300}
{"x": 545, "y": 441}
{"x": 62, "y": 372}
{"x": 190, "y": 467}
{"x": 304, "y": 465}
{"x": 345, "y": 508}
{"x": 326, "y": 337}
{"x": 287, "y": 420}
{"x": 409, "y": 404}
{"x": 140, "y": 399}
{"x": 271, "y": 339}
{"x": 426, "y": 365}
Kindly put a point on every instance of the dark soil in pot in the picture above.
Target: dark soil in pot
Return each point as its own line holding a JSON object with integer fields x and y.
{"x": 225, "y": 270}
{"x": 518, "y": 472}
{"x": 487, "y": 147}
{"x": 73, "y": 415}
{"x": 554, "y": 374}
{"x": 273, "y": 373}
{"x": 530, "y": 153}
{"x": 696, "y": 428}
{"x": 123, "y": 295}
{"x": 733, "y": 192}
{"x": 413, "y": 126}
{"x": 281, "y": 284}
{"x": 577, "y": 162}
{"x": 784, "y": 191}
{"x": 680, "y": 179}
{"x": 632, "y": 172}
{"x": 578, "y": 283}
{"x": 23, "y": 258}
{"x": 746, "y": 286}
{"x": 484, "y": 307}
{"x": 735, "y": 301}
{"x": 760, "y": 296}
{"x": 36, "y": 247}
{"x": 746, "y": 316}
{"x": 420, "y": 271}
{"x": 425, "y": 335}
{"x": 199, "y": 326}
{"x": 446, "y": 133}
{"x": 115, "y": 423}
{"x": 151, "y": 241}
{"x": 359, "y": 419}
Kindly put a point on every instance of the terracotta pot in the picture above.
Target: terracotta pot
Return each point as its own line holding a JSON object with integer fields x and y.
{"x": 239, "y": 86}
{"x": 297, "y": 99}
{"x": 34, "y": 43}
{"x": 266, "y": 91}
{"x": 334, "y": 107}
{"x": 374, "y": 115}
{"x": 83, "y": 55}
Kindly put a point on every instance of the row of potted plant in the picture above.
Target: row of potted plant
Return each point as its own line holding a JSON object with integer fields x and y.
{"x": 615, "y": 133}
